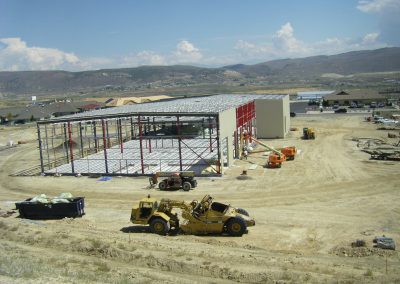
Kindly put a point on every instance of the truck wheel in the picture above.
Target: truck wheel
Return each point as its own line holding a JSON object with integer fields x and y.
{"x": 159, "y": 226}
{"x": 236, "y": 227}
{"x": 242, "y": 211}
{"x": 186, "y": 186}
{"x": 162, "y": 185}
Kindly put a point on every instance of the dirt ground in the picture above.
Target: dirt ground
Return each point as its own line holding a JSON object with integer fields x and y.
{"x": 307, "y": 214}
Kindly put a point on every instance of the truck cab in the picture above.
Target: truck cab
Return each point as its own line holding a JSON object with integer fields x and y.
{"x": 143, "y": 212}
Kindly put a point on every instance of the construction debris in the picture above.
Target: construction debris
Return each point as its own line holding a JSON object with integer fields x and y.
{"x": 358, "y": 243}
{"x": 384, "y": 243}
{"x": 378, "y": 149}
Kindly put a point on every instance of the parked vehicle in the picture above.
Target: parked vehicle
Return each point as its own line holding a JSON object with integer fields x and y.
{"x": 174, "y": 180}
{"x": 341, "y": 110}
{"x": 308, "y": 133}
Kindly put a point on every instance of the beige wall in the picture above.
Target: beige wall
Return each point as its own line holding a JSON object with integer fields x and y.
{"x": 272, "y": 121}
{"x": 272, "y": 117}
{"x": 227, "y": 124}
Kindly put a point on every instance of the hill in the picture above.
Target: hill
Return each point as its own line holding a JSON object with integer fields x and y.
{"x": 368, "y": 61}
{"x": 144, "y": 77}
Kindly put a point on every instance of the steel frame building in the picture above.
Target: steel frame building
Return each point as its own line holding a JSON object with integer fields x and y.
{"x": 203, "y": 134}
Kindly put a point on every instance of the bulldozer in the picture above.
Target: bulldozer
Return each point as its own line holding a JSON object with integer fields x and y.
{"x": 308, "y": 133}
{"x": 174, "y": 180}
{"x": 205, "y": 217}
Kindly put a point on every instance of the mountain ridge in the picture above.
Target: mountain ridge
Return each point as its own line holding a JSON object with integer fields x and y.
{"x": 138, "y": 78}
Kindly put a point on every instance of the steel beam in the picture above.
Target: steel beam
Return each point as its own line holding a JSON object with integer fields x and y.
{"x": 71, "y": 147}
{"x": 104, "y": 144}
{"x": 40, "y": 148}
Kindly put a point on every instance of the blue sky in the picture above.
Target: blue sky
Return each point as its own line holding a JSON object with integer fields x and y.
{"x": 82, "y": 35}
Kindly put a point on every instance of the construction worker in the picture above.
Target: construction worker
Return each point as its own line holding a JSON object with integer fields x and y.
{"x": 245, "y": 154}
{"x": 153, "y": 181}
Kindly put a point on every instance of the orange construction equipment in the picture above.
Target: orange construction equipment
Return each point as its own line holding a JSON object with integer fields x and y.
{"x": 275, "y": 160}
{"x": 277, "y": 157}
{"x": 289, "y": 152}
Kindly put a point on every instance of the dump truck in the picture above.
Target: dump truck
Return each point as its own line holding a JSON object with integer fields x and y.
{"x": 308, "y": 133}
{"x": 174, "y": 180}
{"x": 199, "y": 218}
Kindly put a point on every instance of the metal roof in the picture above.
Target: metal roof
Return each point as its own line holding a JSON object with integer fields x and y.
{"x": 207, "y": 105}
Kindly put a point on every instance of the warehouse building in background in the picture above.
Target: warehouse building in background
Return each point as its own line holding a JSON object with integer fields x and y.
{"x": 201, "y": 134}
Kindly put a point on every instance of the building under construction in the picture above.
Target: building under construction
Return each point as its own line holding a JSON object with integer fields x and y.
{"x": 201, "y": 134}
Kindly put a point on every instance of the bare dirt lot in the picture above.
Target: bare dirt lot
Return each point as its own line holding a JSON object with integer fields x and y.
{"x": 307, "y": 214}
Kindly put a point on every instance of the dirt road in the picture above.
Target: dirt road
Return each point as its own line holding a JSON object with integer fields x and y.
{"x": 307, "y": 214}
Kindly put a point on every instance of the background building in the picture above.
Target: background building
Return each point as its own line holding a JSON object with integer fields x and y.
{"x": 346, "y": 98}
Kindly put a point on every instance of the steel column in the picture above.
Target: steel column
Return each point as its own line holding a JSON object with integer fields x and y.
{"x": 104, "y": 144}
{"x": 178, "y": 128}
{"x": 132, "y": 129}
{"x": 81, "y": 138}
{"x": 40, "y": 149}
{"x": 96, "y": 143}
{"x": 209, "y": 130}
{"x": 120, "y": 136}
{"x": 108, "y": 135}
{"x": 47, "y": 145}
{"x": 65, "y": 141}
{"x": 141, "y": 144}
{"x": 218, "y": 148}
{"x": 235, "y": 137}
{"x": 71, "y": 147}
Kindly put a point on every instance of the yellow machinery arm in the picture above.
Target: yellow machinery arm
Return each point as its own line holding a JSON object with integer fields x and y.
{"x": 266, "y": 146}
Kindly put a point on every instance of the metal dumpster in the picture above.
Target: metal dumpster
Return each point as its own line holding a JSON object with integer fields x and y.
{"x": 36, "y": 210}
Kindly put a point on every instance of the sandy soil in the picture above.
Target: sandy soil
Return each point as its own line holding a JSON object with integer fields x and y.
{"x": 307, "y": 214}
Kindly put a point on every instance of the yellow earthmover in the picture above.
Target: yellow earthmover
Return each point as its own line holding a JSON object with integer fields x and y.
{"x": 204, "y": 217}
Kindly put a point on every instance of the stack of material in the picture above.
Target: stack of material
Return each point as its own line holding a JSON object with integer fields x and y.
{"x": 64, "y": 197}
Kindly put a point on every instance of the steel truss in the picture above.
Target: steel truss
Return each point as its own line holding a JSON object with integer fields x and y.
{"x": 131, "y": 144}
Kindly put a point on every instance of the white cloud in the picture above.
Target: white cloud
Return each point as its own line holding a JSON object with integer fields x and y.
{"x": 16, "y": 55}
{"x": 284, "y": 38}
{"x": 143, "y": 58}
{"x": 378, "y": 6}
{"x": 370, "y": 38}
{"x": 186, "y": 52}
{"x": 387, "y": 11}
{"x": 284, "y": 44}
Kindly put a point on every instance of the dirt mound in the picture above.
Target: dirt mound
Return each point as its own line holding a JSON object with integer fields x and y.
{"x": 348, "y": 251}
